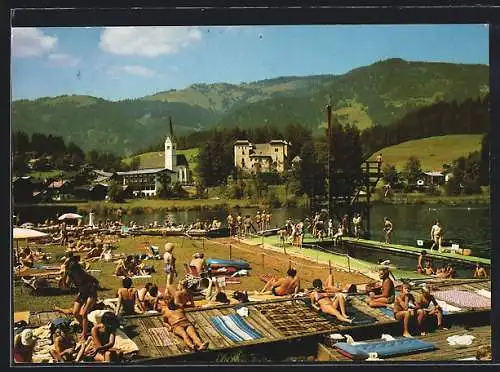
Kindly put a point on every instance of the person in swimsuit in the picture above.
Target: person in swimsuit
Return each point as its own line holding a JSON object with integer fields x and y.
{"x": 148, "y": 298}
{"x": 387, "y": 230}
{"x": 177, "y": 321}
{"x": 436, "y": 235}
{"x": 24, "y": 344}
{"x": 127, "y": 298}
{"x": 480, "y": 272}
{"x": 404, "y": 308}
{"x": 321, "y": 300}
{"x": 63, "y": 348}
{"x": 87, "y": 287}
{"x": 428, "y": 270}
{"x": 103, "y": 338}
{"x": 179, "y": 295}
{"x": 387, "y": 290}
{"x": 199, "y": 263}
{"x": 169, "y": 264}
{"x": 282, "y": 286}
{"x": 420, "y": 261}
{"x": 427, "y": 306}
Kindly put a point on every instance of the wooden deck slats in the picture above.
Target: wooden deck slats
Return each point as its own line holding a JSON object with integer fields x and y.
{"x": 202, "y": 319}
{"x": 443, "y": 351}
{"x": 264, "y": 326}
{"x": 275, "y": 320}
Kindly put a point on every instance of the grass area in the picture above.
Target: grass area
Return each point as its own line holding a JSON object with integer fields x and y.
{"x": 261, "y": 261}
{"x": 157, "y": 159}
{"x": 432, "y": 152}
{"x": 421, "y": 198}
{"x": 46, "y": 174}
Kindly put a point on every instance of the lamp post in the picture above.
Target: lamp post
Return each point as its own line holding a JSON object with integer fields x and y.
{"x": 329, "y": 117}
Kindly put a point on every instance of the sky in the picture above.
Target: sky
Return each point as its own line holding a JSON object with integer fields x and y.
{"x": 129, "y": 62}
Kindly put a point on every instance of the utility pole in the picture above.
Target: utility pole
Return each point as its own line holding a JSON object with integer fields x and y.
{"x": 329, "y": 170}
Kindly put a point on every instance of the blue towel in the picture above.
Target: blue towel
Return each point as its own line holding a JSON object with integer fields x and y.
{"x": 234, "y": 328}
{"x": 384, "y": 349}
{"x": 387, "y": 311}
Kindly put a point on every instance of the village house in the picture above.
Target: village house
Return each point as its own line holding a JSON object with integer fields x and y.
{"x": 260, "y": 157}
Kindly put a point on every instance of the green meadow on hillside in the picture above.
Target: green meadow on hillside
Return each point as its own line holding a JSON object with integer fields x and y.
{"x": 157, "y": 159}
{"x": 432, "y": 152}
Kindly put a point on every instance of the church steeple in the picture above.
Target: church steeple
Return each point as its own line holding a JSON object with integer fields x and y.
{"x": 170, "y": 150}
{"x": 171, "y": 128}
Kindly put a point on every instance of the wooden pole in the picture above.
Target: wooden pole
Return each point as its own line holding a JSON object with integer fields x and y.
{"x": 348, "y": 263}
{"x": 203, "y": 240}
{"x": 262, "y": 254}
{"x": 230, "y": 251}
{"x": 330, "y": 266}
{"x": 289, "y": 263}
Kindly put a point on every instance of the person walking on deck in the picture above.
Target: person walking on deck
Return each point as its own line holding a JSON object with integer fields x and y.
{"x": 436, "y": 235}
{"x": 388, "y": 228}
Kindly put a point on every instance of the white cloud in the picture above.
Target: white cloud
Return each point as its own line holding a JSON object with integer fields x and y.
{"x": 31, "y": 42}
{"x": 131, "y": 70}
{"x": 148, "y": 41}
{"x": 63, "y": 60}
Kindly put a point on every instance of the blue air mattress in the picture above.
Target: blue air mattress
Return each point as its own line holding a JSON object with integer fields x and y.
{"x": 217, "y": 262}
{"x": 384, "y": 349}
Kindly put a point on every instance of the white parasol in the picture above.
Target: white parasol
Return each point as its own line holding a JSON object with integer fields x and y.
{"x": 19, "y": 233}
{"x": 69, "y": 216}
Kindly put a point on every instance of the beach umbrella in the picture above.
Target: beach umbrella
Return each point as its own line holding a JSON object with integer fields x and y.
{"x": 19, "y": 233}
{"x": 69, "y": 216}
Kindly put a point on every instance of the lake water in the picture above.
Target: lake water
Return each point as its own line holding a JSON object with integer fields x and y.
{"x": 472, "y": 224}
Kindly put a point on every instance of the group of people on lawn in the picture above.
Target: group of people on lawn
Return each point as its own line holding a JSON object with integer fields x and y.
{"x": 327, "y": 298}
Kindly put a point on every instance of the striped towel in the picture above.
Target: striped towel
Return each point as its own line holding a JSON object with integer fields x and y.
{"x": 235, "y": 328}
{"x": 160, "y": 336}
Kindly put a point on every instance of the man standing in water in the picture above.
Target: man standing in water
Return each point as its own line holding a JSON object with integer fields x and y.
{"x": 387, "y": 230}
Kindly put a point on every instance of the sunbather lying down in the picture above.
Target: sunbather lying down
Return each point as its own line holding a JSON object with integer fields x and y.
{"x": 177, "y": 321}
{"x": 321, "y": 300}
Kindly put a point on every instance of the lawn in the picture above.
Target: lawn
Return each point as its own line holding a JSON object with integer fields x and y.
{"x": 432, "y": 152}
{"x": 157, "y": 159}
{"x": 262, "y": 261}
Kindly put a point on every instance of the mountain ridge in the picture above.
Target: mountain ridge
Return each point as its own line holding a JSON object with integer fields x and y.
{"x": 377, "y": 94}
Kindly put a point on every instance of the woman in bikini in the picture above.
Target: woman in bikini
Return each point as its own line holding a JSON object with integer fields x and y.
{"x": 127, "y": 297}
{"x": 321, "y": 300}
{"x": 87, "y": 294}
{"x": 176, "y": 319}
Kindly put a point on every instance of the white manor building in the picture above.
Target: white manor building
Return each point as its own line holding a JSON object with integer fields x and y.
{"x": 147, "y": 182}
{"x": 260, "y": 157}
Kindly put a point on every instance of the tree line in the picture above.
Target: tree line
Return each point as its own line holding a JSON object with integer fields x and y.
{"x": 51, "y": 152}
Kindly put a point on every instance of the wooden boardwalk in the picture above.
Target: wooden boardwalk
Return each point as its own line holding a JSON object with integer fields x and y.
{"x": 443, "y": 352}
{"x": 275, "y": 320}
